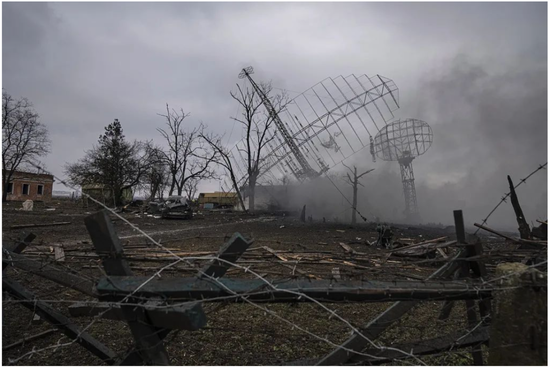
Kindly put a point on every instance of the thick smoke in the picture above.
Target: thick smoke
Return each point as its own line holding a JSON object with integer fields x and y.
{"x": 486, "y": 126}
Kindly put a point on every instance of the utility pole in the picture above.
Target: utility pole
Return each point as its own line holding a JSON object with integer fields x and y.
{"x": 354, "y": 182}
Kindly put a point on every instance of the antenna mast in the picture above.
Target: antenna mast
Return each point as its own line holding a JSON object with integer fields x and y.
{"x": 306, "y": 171}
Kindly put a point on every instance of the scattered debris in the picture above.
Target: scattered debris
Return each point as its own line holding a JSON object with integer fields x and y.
{"x": 336, "y": 273}
{"x": 270, "y": 250}
{"x": 28, "y": 205}
{"x": 59, "y": 254}
{"x": 346, "y": 248}
{"x": 385, "y": 236}
{"x": 17, "y": 226}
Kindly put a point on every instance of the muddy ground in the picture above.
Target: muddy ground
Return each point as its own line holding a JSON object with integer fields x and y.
{"x": 236, "y": 334}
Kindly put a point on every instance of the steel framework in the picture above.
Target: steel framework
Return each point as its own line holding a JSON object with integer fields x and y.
{"x": 402, "y": 141}
{"x": 321, "y": 127}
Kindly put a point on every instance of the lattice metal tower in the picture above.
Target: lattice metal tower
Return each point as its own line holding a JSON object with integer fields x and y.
{"x": 402, "y": 141}
{"x": 306, "y": 170}
{"x": 321, "y": 127}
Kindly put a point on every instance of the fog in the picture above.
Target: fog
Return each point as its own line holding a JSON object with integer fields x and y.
{"x": 485, "y": 127}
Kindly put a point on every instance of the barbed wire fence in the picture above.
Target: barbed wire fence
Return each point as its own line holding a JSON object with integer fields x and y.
{"x": 270, "y": 287}
{"x": 505, "y": 197}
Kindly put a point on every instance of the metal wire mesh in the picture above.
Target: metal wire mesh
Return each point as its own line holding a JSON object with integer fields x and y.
{"x": 402, "y": 139}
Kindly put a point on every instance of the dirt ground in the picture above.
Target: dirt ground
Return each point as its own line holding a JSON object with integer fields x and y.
{"x": 236, "y": 334}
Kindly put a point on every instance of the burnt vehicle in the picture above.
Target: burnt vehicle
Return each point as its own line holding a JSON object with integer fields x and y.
{"x": 176, "y": 207}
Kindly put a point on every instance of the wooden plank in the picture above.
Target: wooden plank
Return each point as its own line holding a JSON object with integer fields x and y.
{"x": 17, "y": 226}
{"x": 59, "y": 320}
{"x": 378, "y": 325}
{"x": 231, "y": 251}
{"x": 111, "y": 288}
{"x": 107, "y": 244}
{"x": 51, "y": 272}
{"x": 517, "y": 240}
{"x": 59, "y": 254}
{"x": 347, "y": 248}
{"x": 480, "y": 271}
{"x": 442, "y": 253}
{"x": 415, "y": 245}
{"x": 182, "y": 317}
{"x": 17, "y": 247}
{"x": 274, "y": 253}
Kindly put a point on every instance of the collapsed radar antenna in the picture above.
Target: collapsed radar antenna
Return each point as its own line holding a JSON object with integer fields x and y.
{"x": 306, "y": 171}
{"x": 402, "y": 141}
{"x": 323, "y": 126}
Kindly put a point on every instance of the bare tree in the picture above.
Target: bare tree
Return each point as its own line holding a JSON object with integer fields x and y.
{"x": 224, "y": 160}
{"x": 187, "y": 156}
{"x": 257, "y": 122}
{"x": 354, "y": 182}
{"x": 190, "y": 188}
{"x": 24, "y": 137}
{"x": 157, "y": 178}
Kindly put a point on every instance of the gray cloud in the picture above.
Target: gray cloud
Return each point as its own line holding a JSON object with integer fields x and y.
{"x": 475, "y": 71}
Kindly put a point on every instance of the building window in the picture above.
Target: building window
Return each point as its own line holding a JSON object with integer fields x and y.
{"x": 10, "y": 188}
{"x": 40, "y": 190}
{"x": 26, "y": 189}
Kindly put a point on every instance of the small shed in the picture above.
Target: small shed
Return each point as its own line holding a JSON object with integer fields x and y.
{"x": 103, "y": 194}
{"x": 218, "y": 199}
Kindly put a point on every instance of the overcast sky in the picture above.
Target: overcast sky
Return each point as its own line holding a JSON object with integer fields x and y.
{"x": 477, "y": 73}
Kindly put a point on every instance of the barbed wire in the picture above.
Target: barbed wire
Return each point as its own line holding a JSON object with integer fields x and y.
{"x": 503, "y": 199}
{"x": 180, "y": 259}
{"x": 233, "y": 295}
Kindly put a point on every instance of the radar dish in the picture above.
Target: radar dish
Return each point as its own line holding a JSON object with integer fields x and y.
{"x": 320, "y": 128}
{"x": 400, "y": 139}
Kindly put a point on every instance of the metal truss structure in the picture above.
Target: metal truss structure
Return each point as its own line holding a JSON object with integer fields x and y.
{"x": 402, "y": 141}
{"x": 321, "y": 127}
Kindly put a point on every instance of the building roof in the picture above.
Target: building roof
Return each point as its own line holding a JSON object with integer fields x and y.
{"x": 218, "y": 194}
{"x": 31, "y": 175}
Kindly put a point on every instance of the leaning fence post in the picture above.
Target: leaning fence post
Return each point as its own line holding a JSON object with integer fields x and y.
{"x": 150, "y": 345}
{"x": 518, "y": 331}
{"x": 465, "y": 270}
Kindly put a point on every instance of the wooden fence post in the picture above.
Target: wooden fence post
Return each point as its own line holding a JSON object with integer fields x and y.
{"x": 149, "y": 344}
{"x": 465, "y": 271}
{"x": 519, "y": 327}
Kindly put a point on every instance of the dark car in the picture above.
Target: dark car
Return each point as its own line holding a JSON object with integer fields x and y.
{"x": 177, "y": 207}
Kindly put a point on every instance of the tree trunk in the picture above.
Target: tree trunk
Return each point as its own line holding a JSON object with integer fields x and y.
{"x": 172, "y": 185}
{"x": 154, "y": 189}
{"x": 252, "y": 191}
{"x": 117, "y": 192}
{"x": 5, "y": 181}
{"x": 354, "y": 208}
{"x": 4, "y": 191}
{"x": 251, "y": 198}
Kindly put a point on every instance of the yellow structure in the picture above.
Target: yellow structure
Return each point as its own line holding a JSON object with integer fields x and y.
{"x": 104, "y": 194}
{"x": 218, "y": 199}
